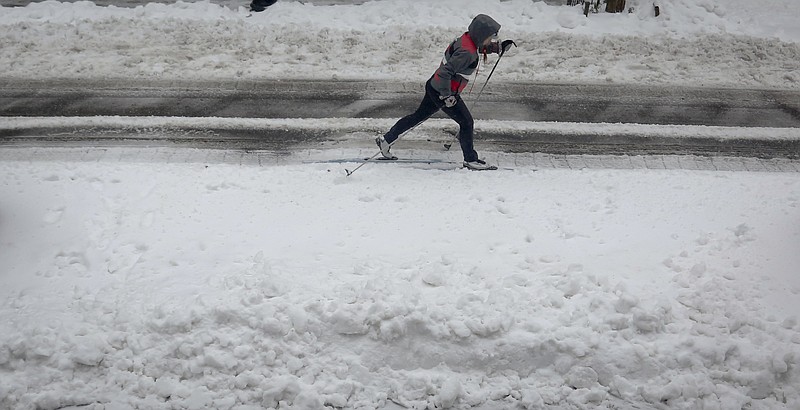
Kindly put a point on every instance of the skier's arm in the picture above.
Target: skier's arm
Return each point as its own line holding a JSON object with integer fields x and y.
{"x": 498, "y": 48}
{"x": 491, "y": 48}
{"x": 459, "y": 62}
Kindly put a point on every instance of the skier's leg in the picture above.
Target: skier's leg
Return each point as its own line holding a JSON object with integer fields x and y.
{"x": 460, "y": 114}
{"x": 426, "y": 108}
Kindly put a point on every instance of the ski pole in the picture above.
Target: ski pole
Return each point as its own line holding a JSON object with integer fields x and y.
{"x": 378, "y": 153}
{"x": 503, "y": 51}
{"x": 349, "y": 172}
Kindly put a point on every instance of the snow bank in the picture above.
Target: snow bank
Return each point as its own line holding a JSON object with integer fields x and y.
{"x": 197, "y": 286}
{"x": 696, "y": 42}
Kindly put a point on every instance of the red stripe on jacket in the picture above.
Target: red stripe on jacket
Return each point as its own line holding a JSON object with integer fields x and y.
{"x": 460, "y": 83}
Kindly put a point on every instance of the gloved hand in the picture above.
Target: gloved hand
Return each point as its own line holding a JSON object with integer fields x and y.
{"x": 449, "y": 101}
{"x": 491, "y": 48}
{"x": 506, "y": 44}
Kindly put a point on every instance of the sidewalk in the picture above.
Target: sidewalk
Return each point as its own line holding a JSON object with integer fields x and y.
{"x": 337, "y": 159}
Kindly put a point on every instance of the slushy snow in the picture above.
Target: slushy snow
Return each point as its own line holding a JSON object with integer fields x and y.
{"x": 137, "y": 284}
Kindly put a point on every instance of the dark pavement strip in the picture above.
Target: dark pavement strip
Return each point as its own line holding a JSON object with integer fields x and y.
{"x": 380, "y": 99}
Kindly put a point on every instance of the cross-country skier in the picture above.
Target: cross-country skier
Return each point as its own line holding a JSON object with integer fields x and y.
{"x": 442, "y": 90}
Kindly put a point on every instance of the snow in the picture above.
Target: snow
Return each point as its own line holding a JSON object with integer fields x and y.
{"x": 349, "y": 126}
{"x": 141, "y": 283}
{"x": 192, "y": 285}
{"x": 693, "y": 42}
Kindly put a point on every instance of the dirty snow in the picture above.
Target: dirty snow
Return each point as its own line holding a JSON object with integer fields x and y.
{"x": 693, "y": 42}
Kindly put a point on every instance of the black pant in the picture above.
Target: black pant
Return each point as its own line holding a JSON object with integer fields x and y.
{"x": 430, "y": 105}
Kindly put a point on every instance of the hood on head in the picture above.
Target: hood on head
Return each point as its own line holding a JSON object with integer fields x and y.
{"x": 481, "y": 28}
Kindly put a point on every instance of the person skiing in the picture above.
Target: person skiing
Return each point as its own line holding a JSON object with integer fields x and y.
{"x": 443, "y": 89}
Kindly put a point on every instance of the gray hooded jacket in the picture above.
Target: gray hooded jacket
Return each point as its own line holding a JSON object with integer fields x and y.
{"x": 461, "y": 57}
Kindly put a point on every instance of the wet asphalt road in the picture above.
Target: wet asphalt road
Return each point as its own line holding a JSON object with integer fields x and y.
{"x": 375, "y": 99}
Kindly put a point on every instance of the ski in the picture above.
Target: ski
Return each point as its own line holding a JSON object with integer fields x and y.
{"x": 413, "y": 161}
{"x": 389, "y": 161}
{"x": 419, "y": 161}
{"x": 489, "y": 168}
{"x": 428, "y": 161}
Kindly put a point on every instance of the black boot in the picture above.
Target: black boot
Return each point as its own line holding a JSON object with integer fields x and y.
{"x": 261, "y": 5}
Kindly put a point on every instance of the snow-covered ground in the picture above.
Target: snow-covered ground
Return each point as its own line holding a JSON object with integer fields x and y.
{"x": 693, "y": 42}
{"x": 235, "y": 286}
{"x": 134, "y": 283}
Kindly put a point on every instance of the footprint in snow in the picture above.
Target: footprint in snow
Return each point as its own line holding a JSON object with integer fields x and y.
{"x": 54, "y": 215}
